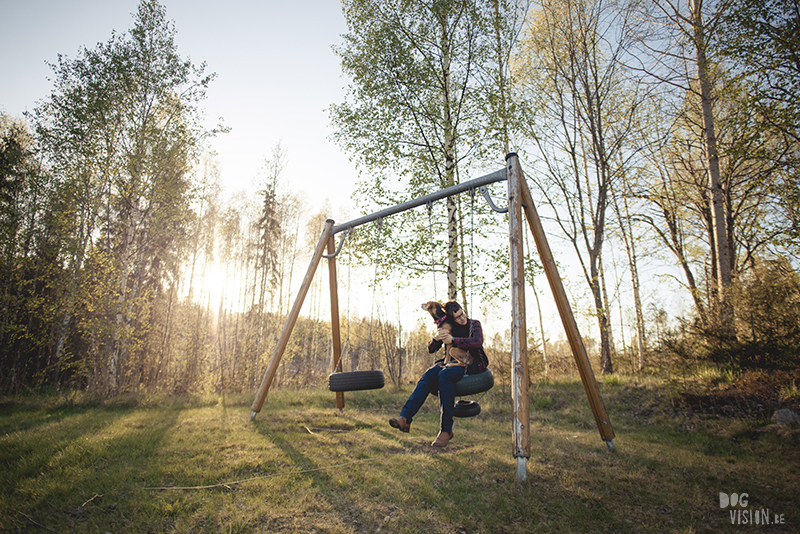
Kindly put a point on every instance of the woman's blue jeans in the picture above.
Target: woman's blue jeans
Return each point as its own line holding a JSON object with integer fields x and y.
{"x": 443, "y": 380}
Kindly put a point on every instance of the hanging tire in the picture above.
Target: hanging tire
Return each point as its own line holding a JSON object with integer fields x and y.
{"x": 356, "y": 381}
{"x": 465, "y": 408}
{"x": 472, "y": 384}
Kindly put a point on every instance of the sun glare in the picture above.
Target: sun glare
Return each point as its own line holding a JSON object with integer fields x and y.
{"x": 214, "y": 287}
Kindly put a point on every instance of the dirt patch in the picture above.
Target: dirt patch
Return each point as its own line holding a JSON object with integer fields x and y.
{"x": 754, "y": 394}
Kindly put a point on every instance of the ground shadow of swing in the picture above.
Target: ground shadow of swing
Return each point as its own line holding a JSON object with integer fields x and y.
{"x": 320, "y": 477}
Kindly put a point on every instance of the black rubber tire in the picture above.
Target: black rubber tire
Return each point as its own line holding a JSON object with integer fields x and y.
{"x": 356, "y": 381}
{"x": 465, "y": 408}
{"x": 472, "y": 384}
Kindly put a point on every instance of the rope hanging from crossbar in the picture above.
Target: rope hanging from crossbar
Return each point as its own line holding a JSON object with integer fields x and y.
{"x": 374, "y": 286}
{"x": 346, "y": 347}
{"x": 433, "y": 255}
{"x": 471, "y": 249}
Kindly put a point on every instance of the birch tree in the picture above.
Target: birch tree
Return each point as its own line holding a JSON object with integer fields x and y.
{"x": 571, "y": 69}
{"x": 123, "y": 126}
{"x": 677, "y": 38}
{"x": 419, "y": 108}
{"x": 723, "y": 170}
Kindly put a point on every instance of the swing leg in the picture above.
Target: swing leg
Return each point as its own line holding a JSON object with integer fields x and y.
{"x": 335, "y": 330}
{"x": 283, "y": 341}
{"x": 567, "y": 317}
{"x": 522, "y": 469}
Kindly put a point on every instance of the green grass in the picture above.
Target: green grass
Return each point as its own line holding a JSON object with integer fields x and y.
{"x": 69, "y": 465}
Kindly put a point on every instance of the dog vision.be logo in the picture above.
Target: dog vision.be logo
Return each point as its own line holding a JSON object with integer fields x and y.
{"x": 741, "y": 515}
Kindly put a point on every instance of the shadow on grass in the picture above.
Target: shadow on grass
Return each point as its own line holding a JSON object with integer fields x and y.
{"x": 304, "y": 467}
{"x": 74, "y": 466}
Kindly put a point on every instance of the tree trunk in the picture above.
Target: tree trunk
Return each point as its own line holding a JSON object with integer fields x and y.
{"x": 637, "y": 299}
{"x": 720, "y": 241}
{"x": 606, "y": 335}
{"x": 630, "y": 250}
{"x": 122, "y": 299}
{"x": 465, "y": 304}
{"x": 450, "y": 162}
{"x": 673, "y": 239}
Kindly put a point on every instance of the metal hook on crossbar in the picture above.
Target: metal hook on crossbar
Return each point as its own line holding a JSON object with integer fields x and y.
{"x": 345, "y": 234}
{"x": 485, "y": 192}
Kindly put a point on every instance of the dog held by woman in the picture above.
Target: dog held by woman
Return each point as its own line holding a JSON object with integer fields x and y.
{"x": 452, "y": 355}
{"x": 464, "y": 354}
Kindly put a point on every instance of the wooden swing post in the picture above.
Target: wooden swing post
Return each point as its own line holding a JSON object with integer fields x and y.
{"x": 519, "y": 335}
{"x": 336, "y": 337}
{"x": 280, "y": 348}
{"x": 565, "y": 311}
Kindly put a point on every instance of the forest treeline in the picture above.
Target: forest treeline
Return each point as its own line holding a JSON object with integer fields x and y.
{"x": 650, "y": 132}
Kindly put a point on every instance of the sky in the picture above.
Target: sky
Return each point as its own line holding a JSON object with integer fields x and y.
{"x": 276, "y": 76}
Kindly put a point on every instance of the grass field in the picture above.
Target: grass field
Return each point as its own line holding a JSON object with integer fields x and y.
{"x": 196, "y": 464}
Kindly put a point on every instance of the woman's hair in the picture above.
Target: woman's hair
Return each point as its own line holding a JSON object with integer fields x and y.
{"x": 451, "y": 307}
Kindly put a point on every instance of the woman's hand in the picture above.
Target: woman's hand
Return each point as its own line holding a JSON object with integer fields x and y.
{"x": 444, "y": 336}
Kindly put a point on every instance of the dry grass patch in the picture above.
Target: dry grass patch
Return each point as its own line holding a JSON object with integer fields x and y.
{"x": 304, "y": 467}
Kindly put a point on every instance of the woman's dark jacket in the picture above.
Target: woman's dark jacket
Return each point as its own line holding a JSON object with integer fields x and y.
{"x": 470, "y": 338}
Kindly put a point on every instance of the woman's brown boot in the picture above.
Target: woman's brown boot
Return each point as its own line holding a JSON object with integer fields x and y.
{"x": 400, "y": 423}
{"x": 442, "y": 439}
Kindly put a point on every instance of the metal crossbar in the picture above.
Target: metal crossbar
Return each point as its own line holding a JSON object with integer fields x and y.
{"x": 497, "y": 176}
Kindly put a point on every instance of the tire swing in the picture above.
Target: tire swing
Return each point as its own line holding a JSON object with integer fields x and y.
{"x": 356, "y": 381}
{"x": 359, "y": 380}
{"x": 467, "y": 408}
{"x": 472, "y": 385}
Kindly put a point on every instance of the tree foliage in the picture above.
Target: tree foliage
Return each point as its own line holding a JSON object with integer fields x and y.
{"x": 123, "y": 266}
{"x": 571, "y": 68}
{"x": 762, "y": 39}
{"x": 127, "y": 113}
{"x": 423, "y": 104}
{"x": 767, "y": 300}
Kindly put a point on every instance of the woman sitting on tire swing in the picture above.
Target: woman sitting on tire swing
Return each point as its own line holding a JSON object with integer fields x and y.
{"x": 464, "y": 354}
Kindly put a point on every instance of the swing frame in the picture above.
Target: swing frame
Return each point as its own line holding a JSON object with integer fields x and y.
{"x": 519, "y": 200}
